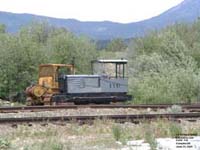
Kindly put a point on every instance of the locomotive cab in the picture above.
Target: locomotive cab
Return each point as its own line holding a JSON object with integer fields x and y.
{"x": 110, "y": 68}
{"x": 48, "y": 84}
{"x": 50, "y": 73}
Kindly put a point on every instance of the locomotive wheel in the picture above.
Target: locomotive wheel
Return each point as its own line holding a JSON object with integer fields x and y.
{"x": 53, "y": 103}
{"x": 47, "y": 99}
{"x": 29, "y": 101}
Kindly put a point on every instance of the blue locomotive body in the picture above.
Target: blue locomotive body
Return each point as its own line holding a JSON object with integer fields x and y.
{"x": 108, "y": 83}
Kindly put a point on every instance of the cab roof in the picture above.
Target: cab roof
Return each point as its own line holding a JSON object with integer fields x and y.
{"x": 123, "y": 61}
{"x": 56, "y": 65}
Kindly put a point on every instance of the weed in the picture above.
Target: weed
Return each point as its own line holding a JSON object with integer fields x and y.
{"x": 117, "y": 133}
{"x": 4, "y": 144}
{"x": 175, "y": 129}
{"x": 50, "y": 144}
{"x": 175, "y": 109}
{"x": 121, "y": 134}
{"x": 150, "y": 138}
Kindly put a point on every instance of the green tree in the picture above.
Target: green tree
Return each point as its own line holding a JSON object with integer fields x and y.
{"x": 35, "y": 44}
{"x": 63, "y": 47}
{"x": 162, "y": 69}
{"x": 116, "y": 45}
{"x": 2, "y": 28}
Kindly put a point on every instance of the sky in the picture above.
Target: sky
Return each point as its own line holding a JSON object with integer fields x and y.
{"x": 123, "y": 11}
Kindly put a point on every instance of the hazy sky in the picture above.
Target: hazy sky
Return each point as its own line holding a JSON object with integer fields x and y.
{"x": 91, "y": 10}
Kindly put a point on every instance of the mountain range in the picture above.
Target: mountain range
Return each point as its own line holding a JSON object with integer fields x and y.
{"x": 187, "y": 11}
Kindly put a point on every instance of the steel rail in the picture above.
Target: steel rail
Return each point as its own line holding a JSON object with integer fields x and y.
{"x": 109, "y": 106}
{"x": 86, "y": 119}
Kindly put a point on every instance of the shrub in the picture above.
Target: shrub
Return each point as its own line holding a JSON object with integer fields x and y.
{"x": 175, "y": 129}
{"x": 4, "y": 144}
{"x": 117, "y": 132}
{"x": 49, "y": 144}
{"x": 121, "y": 134}
{"x": 175, "y": 109}
{"x": 149, "y": 138}
{"x": 168, "y": 76}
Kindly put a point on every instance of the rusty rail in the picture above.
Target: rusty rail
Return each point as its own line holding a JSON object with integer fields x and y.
{"x": 86, "y": 119}
{"x": 142, "y": 106}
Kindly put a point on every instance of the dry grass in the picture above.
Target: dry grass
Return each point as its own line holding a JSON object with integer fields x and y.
{"x": 100, "y": 135}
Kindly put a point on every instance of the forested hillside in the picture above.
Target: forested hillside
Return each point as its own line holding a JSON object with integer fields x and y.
{"x": 164, "y": 66}
{"x": 187, "y": 11}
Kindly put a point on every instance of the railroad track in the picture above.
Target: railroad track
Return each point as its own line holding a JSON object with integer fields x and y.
{"x": 135, "y": 118}
{"x": 192, "y": 107}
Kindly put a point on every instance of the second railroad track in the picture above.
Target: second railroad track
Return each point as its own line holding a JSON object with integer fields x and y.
{"x": 135, "y": 118}
{"x": 9, "y": 109}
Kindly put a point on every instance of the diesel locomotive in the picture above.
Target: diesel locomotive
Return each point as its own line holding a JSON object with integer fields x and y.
{"x": 58, "y": 83}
